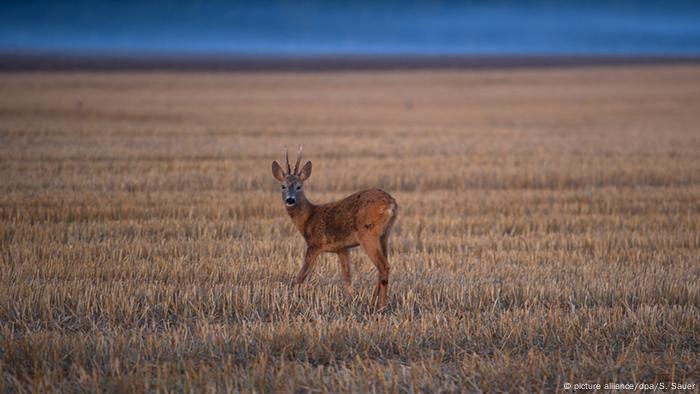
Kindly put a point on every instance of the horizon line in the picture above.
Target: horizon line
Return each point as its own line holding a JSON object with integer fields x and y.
{"x": 73, "y": 61}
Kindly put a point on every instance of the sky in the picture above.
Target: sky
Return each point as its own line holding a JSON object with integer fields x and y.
{"x": 564, "y": 27}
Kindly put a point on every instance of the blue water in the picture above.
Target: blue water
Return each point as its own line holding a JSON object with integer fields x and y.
{"x": 319, "y": 28}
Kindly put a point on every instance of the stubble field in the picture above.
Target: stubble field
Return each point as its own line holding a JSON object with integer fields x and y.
{"x": 548, "y": 230}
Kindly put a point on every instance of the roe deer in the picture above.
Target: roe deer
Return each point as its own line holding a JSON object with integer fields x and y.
{"x": 362, "y": 219}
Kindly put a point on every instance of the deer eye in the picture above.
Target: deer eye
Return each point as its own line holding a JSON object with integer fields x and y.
{"x": 299, "y": 187}
{"x": 284, "y": 187}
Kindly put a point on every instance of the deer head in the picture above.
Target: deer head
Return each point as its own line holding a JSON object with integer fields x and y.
{"x": 292, "y": 182}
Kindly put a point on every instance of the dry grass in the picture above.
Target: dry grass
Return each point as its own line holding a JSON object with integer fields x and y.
{"x": 549, "y": 230}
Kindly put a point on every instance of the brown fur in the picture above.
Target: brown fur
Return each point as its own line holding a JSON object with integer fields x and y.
{"x": 340, "y": 225}
{"x": 362, "y": 219}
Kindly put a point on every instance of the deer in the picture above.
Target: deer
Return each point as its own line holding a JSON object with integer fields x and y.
{"x": 362, "y": 219}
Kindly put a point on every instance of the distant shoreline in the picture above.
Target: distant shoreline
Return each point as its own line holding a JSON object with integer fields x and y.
{"x": 19, "y": 62}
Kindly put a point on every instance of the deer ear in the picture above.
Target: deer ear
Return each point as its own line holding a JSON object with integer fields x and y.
{"x": 277, "y": 171}
{"x": 305, "y": 171}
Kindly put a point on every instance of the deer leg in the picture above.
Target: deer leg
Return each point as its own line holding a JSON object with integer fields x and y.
{"x": 384, "y": 240}
{"x": 372, "y": 246}
{"x": 309, "y": 261}
{"x": 344, "y": 258}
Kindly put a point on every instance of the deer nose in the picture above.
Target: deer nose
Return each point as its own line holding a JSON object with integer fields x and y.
{"x": 290, "y": 200}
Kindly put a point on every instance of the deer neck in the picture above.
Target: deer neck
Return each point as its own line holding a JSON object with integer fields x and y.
{"x": 300, "y": 213}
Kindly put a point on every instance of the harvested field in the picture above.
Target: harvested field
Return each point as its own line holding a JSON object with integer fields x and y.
{"x": 548, "y": 231}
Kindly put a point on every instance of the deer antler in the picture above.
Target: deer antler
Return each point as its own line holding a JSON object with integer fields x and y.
{"x": 286, "y": 156}
{"x": 296, "y": 166}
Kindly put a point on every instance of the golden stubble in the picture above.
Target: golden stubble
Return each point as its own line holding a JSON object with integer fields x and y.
{"x": 549, "y": 230}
